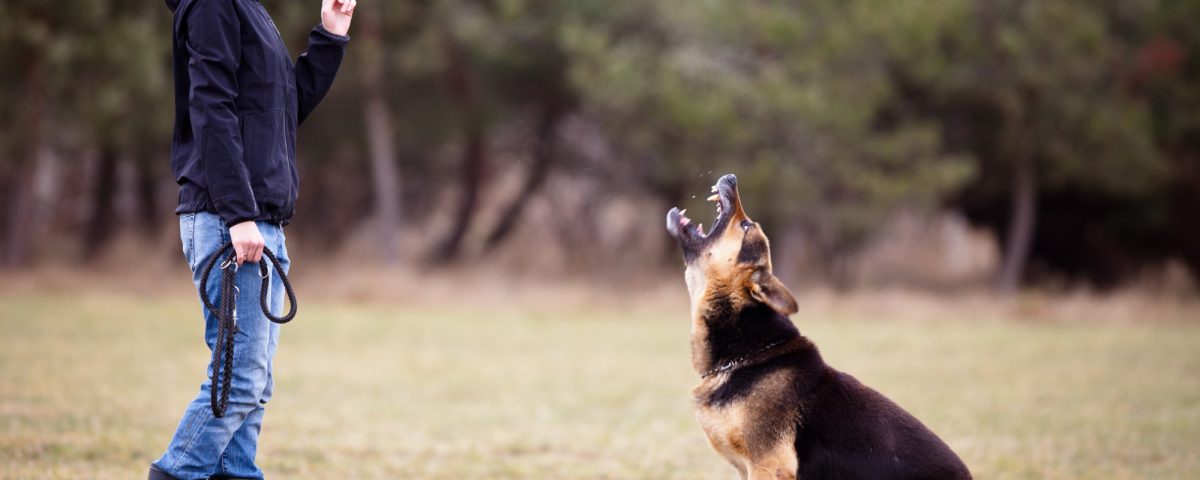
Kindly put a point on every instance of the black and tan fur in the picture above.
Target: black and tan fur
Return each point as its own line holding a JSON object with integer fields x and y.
{"x": 766, "y": 400}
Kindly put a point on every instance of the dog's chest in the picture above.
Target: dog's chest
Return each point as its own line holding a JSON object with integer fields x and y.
{"x": 752, "y": 429}
{"x": 757, "y": 444}
{"x": 725, "y": 427}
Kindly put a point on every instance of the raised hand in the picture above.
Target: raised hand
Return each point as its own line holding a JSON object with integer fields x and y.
{"x": 336, "y": 14}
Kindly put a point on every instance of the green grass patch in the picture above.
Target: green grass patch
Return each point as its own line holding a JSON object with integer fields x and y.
{"x": 91, "y": 387}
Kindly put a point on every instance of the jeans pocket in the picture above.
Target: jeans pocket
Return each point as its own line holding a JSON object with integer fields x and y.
{"x": 209, "y": 235}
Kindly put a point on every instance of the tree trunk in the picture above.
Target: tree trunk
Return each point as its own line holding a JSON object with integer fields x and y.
{"x": 147, "y": 198}
{"x": 1022, "y": 217}
{"x": 543, "y": 157}
{"x": 462, "y": 86}
{"x": 1023, "y": 188}
{"x": 377, "y": 116}
{"x": 785, "y": 252}
{"x": 102, "y": 217}
{"x": 471, "y": 178}
{"x": 22, "y": 201}
{"x": 835, "y": 267}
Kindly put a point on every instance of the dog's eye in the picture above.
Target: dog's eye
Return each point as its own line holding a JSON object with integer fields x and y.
{"x": 746, "y": 225}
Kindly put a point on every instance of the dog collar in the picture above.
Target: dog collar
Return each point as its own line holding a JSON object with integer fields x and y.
{"x": 740, "y": 361}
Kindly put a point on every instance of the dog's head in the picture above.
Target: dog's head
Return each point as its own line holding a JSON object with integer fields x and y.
{"x": 733, "y": 260}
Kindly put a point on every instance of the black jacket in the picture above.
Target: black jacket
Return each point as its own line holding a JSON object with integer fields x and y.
{"x": 238, "y": 99}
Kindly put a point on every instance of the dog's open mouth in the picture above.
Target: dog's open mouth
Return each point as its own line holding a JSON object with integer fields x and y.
{"x": 688, "y": 232}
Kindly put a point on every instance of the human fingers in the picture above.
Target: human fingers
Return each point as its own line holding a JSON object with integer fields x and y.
{"x": 255, "y": 255}
{"x": 239, "y": 249}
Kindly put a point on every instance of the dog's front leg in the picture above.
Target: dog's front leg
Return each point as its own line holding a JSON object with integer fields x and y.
{"x": 778, "y": 464}
{"x": 741, "y": 469}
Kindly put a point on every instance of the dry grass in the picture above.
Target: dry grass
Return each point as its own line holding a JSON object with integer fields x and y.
{"x": 91, "y": 385}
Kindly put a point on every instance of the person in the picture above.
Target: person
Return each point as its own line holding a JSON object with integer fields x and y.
{"x": 238, "y": 100}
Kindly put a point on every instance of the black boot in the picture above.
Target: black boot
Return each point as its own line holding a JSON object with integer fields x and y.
{"x": 156, "y": 474}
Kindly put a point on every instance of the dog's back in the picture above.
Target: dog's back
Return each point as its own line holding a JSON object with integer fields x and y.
{"x": 854, "y": 432}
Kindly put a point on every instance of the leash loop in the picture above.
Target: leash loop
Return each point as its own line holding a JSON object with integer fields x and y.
{"x": 226, "y": 312}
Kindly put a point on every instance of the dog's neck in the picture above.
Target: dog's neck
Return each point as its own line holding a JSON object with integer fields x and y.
{"x": 723, "y": 334}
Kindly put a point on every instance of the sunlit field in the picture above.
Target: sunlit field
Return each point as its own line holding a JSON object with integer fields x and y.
{"x": 91, "y": 387}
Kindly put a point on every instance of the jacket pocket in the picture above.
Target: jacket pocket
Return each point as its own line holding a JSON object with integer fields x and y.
{"x": 266, "y": 148}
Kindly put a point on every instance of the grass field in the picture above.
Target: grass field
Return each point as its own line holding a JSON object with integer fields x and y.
{"x": 91, "y": 387}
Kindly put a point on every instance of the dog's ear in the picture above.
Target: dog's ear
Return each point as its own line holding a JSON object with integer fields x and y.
{"x": 767, "y": 289}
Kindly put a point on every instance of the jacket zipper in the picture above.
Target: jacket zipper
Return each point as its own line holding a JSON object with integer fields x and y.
{"x": 262, "y": 10}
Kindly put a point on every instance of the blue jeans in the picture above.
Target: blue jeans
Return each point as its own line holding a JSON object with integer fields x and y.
{"x": 204, "y": 445}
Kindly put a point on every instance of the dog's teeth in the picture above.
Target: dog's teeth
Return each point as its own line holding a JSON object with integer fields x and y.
{"x": 713, "y": 189}
{"x": 685, "y": 221}
{"x": 712, "y": 198}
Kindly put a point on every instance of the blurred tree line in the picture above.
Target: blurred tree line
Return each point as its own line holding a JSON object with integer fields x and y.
{"x": 1068, "y": 128}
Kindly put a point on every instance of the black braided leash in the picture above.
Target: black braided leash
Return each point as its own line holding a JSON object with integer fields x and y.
{"x": 227, "y": 316}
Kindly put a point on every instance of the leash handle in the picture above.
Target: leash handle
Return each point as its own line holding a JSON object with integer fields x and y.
{"x": 287, "y": 287}
{"x": 222, "y": 358}
{"x": 228, "y": 251}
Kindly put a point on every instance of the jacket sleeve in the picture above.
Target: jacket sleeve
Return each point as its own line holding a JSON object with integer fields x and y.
{"x": 213, "y": 38}
{"x": 316, "y": 68}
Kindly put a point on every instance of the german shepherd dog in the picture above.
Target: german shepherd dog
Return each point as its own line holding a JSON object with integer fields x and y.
{"x": 766, "y": 400}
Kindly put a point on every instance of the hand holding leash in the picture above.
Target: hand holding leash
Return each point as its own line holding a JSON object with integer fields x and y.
{"x": 247, "y": 242}
{"x": 222, "y": 359}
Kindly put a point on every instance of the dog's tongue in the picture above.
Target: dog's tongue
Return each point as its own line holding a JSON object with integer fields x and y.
{"x": 684, "y": 221}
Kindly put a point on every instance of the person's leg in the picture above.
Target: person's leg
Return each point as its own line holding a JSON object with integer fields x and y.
{"x": 238, "y": 459}
{"x": 195, "y": 452}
